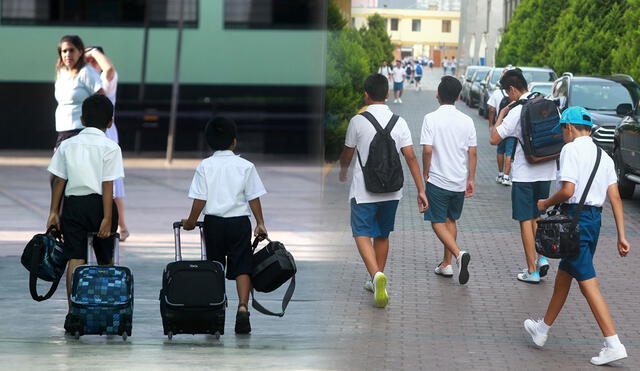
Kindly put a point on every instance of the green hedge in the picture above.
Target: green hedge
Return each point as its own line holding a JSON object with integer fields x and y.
{"x": 351, "y": 56}
{"x": 590, "y": 37}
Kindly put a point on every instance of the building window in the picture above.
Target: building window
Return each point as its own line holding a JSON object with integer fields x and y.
{"x": 115, "y": 13}
{"x": 415, "y": 25}
{"x": 273, "y": 14}
{"x": 446, "y": 26}
{"x": 394, "y": 24}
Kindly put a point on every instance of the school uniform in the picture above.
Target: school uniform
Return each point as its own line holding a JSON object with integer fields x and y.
{"x": 506, "y": 146}
{"x": 373, "y": 214}
{"x": 227, "y": 183}
{"x": 576, "y": 163}
{"x": 451, "y": 133}
{"x": 531, "y": 182}
{"x": 85, "y": 162}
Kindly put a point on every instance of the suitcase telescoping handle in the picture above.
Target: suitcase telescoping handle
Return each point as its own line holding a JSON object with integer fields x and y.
{"x": 176, "y": 235}
{"x": 116, "y": 249}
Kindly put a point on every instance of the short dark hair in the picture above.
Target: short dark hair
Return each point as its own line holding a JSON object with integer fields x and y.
{"x": 580, "y": 127}
{"x": 97, "y": 111}
{"x": 377, "y": 86}
{"x": 449, "y": 89}
{"x": 220, "y": 133}
{"x": 513, "y": 78}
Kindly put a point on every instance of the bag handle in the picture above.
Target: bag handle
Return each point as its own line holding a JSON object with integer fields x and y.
{"x": 285, "y": 300}
{"x": 176, "y": 236}
{"x": 36, "y": 257}
{"x": 576, "y": 216}
{"x": 116, "y": 249}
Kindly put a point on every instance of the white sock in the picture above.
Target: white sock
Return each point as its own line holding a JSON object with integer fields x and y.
{"x": 543, "y": 327}
{"x": 612, "y": 341}
{"x": 500, "y": 174}
{"x": 506, "y": 176}
{"x": 374, "y": 276}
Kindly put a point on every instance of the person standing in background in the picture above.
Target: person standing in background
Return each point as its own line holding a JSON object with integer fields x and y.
{"x": 109, "y": 78}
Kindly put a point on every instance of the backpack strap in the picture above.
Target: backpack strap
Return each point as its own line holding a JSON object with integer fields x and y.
{"x": 390, "y": 125}
{"x": 36, "y": 258}
{"x": 285, "y": 300}
{"x": 576, "y": 216}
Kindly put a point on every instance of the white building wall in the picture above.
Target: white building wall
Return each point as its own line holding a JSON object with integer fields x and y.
{"x": 481, "y": 26}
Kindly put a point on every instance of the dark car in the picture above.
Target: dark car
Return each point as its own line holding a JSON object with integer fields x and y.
{"x": 475, "y": 90}
{"x": 489, "y": 85}
{"x": 601, "y": 96}
{"x": 466, "y": 84}
{"x": 626, "y": 150}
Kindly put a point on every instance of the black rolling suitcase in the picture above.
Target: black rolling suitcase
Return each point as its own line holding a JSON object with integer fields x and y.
{"x": 193, "y": 298}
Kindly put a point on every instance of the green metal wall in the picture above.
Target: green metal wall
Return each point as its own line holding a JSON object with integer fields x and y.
{"x": 210, "y": 54}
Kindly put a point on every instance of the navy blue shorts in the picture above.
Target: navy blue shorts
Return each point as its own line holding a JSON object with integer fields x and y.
{"x": 397, "y": 86}
{"x": 580, "y": 266}
{"x": 443, "y": 204}
{"x": 507, "y": 146}
{"x": 524, "y": 199}
{"x": 375, "y": 219}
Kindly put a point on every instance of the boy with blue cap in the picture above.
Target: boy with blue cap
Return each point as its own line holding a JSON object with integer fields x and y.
{"x": 577, "y": 160}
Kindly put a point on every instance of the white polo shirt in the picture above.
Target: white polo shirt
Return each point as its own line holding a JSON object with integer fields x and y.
{"x": 495, "y": 98}
{"x": 360, "y": 133}
{"x": 70, "y": 92}
{"x": 227, "y": 182}
{"x": 576, "y": 163}
{"x": 384, "y": 71}
{"x": 87, "y": 160}
{"x": 451, "y": 133}
{"x": 521, "y": 169}
{"x": 398, "y": 75}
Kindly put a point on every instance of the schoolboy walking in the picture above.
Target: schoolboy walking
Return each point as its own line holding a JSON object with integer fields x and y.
{"x": 505, "y": 149}
{"x": 84, "y": 168}
{"x": 418, "y": 76}
{"x": 398, "y": 74}
{"x": 577, "y": 160}
{"x": 373, "y": 214}
{"x": 449, "y": 158}
{"x": 227, "y": 190}
{"x": 531, "y": 182}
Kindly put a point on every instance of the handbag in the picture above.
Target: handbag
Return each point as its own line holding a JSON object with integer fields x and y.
{"x": 558, "y": 235}
{"x": 44, "y": 258}
{"x": 272, "y": 266}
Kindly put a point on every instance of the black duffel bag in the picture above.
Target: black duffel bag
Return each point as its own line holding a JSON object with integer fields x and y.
{"x": 558, "y": 235}
{"x": 272, "y": 266}
{"x": 44, "y": 258}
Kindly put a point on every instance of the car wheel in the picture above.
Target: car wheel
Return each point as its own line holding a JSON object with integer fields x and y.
{"x": 625, "y": 186}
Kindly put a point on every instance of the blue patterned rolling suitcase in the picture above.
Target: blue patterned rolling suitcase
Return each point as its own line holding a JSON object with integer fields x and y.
{"x": 102, "y": 298}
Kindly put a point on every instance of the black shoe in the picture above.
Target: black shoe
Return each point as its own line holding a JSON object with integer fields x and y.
{"x": 72, "y": 324}
{"x": 243, "y": 326}
{"x": 68, "y": 323}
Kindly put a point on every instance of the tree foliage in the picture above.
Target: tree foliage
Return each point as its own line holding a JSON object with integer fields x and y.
{"x": 589, "y": 37}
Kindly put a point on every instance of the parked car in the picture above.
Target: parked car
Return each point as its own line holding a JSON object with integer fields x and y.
{"x": 626, "y": 150}
{"x": 538, "y": 74}
{"x": 603, "y": 97}
{"x": 466, "y": 84}
{"x": 543, "y": 88}
{"x": 489, "y": 85}
{"x": 475, "y": 89}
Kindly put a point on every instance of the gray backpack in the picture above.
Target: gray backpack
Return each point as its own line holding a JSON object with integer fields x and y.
{"x": 383, "y": 170}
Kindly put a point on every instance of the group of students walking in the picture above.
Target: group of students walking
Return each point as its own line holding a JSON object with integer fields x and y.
{"x": 412, "y": 72}
{"x": 449, "y": 158}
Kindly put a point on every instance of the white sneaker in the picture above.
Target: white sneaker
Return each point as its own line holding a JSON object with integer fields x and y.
{"x": 608, "y": 355}
{"x": 395, "y": 101}
{"x": 380, "y": 290}
{"x": 499, "y": 179}
{"x": 446, "y": 271}
{"x": 506, "y": 181}
{"x": 463, "y": 263}
{"x": 368, "y": 285}
{"x": 538, "y": 337}
{"x": 399, "y": 100}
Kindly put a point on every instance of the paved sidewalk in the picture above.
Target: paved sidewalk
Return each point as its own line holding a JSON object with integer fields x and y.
{"x": 434, "y": 323}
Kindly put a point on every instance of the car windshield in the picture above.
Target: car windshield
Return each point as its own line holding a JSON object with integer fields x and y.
{"x": 470, "y": 71}
{"x": 542, "y": 89}
{"x": 539, "y": 76}
{"x": 600, "y": 96}
{"x": 480, "y": 75}
{"x": 495, "y": 76}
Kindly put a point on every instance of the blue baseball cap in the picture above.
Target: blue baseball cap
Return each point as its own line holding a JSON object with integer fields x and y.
{"x": 574, "y": 115}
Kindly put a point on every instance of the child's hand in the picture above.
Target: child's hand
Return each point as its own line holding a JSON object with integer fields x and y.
{"x": 623, "y": 246}
{"x": 260, "y": 230}
{"x": 188, "y": 225}
{"x": 105, "y": 228}
{"x": 471, "y": 188}
{"x": 343, "y": 174}
{"x": 541, "y": 205}
{"x": 54, "y": 219}
{"x": 423, "y": 203}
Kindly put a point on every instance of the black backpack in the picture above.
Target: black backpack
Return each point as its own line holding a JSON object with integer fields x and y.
{"x": 383, "y": 170}
{"x": 538, "y": 119}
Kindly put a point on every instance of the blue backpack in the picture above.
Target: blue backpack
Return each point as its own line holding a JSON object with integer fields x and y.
{"x": 419, "y": 70}
{"x": 538, "y": 120}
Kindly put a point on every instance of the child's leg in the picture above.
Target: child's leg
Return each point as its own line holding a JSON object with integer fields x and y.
{"x": 560, "y": 293}
{"x": 119, "y": 201}
{"x": 243, "y": 286}
{"x": 527, "y": 233}
{"x": 73, "y": 263}
{"x": 446, "y": 237}
{"x": 500, "y": 160}
{"x": 368, "y": 254}
{"x": 591, "y": 290}
{"x": 507, "y": 165}
{"x": 381, "y": 248}
{"x": 453, "y": 230}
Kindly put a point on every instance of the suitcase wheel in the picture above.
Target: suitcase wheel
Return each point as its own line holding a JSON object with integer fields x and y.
{"x": 170, "y": 335}
{"x": 217, "y": 335}
{"x": 76, "y": 335}
{"x": 124, "y": 336}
